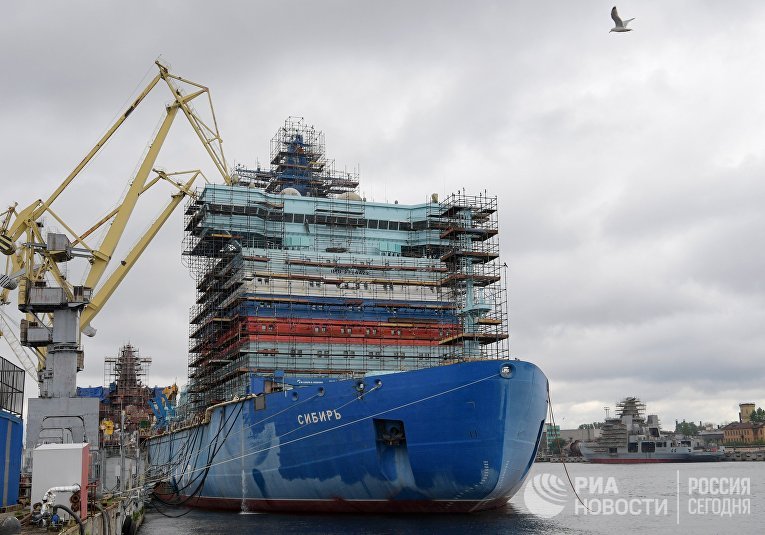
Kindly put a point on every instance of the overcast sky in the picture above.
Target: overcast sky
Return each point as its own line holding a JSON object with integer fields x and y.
{"x": 628, "y": 166}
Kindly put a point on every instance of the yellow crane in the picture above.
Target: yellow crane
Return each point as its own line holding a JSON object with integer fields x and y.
{"x": 30, "y": 259}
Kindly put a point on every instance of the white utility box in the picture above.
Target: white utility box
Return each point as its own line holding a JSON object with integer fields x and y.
{"x": 58, "y": 465}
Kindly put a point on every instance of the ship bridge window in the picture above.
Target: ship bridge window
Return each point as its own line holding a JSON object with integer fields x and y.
{"x": 299, "y": 218}
{"x": 372, "y": 223}
{"x": 383, "y": 225}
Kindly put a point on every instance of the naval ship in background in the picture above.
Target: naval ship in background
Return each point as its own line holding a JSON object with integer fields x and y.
{"x": 631, "y": 438}
{"x": 345, "y": 354}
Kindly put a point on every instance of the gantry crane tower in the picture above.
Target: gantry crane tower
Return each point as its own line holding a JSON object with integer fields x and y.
{"x": 56, "y": 311}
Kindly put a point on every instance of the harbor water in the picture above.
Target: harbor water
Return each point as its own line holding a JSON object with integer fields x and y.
{"x": 722, "y": 497}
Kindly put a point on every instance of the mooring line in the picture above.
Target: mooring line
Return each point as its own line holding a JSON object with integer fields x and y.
{"x": 565, "y": 468}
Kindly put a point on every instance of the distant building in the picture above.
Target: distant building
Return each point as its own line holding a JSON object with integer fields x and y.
{"x": 747, "y": 432}
{"x": 746, "y": 410}
{"x": 712, "y": 436}
{"x": 552, "y": 433}
{"x": 583, "y": 435}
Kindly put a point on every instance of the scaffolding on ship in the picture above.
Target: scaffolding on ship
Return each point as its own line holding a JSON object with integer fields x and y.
{"x": 614, "y": 432}
{"x": 126, "y": 377}
{"x": 335, "y": 290}
{"x": 474, "y": 278}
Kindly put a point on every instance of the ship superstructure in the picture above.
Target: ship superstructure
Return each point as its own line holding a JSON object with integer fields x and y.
{"x": 298, "y": 275}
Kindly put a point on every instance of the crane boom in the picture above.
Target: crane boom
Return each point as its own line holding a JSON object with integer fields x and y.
{"x": 110, "y": 285}
{"x": 38, "y": 207}
{"x": 104, "y": 254}
{"x": 31, "y": 253}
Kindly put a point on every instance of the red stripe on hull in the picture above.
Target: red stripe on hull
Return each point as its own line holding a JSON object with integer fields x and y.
{"x": 386, "y": 342}
{"x": 341, "y": 506}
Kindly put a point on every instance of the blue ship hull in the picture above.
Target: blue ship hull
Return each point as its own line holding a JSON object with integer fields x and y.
{"x": 458, "y": 437}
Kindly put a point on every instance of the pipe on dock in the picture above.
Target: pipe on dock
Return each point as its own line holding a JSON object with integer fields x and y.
{"x": 105, "y": 523}
{"x": 72, "y": 514}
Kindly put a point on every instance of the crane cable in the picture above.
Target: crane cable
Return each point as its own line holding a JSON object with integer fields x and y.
{"x": 565, "y": 468}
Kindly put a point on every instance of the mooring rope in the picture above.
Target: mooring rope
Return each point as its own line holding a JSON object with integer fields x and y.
{"x": 565, "y": 468}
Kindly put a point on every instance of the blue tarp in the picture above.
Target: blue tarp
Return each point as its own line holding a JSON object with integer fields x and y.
{"x": 11, "y": 431}
{"x": 92, "y": 392}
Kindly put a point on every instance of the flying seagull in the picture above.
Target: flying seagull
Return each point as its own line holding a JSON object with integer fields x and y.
{"x": 620, "y": 26}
